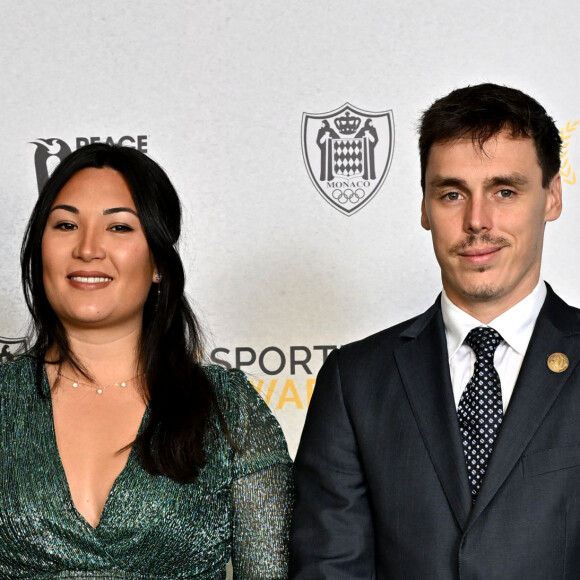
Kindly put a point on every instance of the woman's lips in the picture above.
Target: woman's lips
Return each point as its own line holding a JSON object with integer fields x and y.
{"x": 89, "y": 280}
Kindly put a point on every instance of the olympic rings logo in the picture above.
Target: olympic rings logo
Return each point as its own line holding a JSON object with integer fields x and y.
{"x": 342, "y": 196}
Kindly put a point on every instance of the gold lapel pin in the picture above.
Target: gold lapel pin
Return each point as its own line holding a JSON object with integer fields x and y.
{"x": 558, "y": 362}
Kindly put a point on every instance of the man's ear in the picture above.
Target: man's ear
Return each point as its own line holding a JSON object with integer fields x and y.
{"x": 554, "y": 199}
{"x": 424, "y": 217}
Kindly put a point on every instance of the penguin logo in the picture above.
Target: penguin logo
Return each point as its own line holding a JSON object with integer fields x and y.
{"x": 49, "y": 153}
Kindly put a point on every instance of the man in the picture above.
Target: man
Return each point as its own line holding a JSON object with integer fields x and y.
{"x": 448, "y": 446}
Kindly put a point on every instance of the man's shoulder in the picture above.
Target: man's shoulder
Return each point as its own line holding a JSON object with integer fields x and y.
{"x": 390, "y": 338}
{"x": 562, "y": 315}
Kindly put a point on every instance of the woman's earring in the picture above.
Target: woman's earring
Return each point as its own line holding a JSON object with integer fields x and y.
{"x": 158, "y": 282}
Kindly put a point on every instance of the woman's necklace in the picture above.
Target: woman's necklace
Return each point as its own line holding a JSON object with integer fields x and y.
{"x": 99, "y": 389}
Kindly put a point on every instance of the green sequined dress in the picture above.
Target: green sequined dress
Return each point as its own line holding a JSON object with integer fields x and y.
{"x": 151, "y": 527}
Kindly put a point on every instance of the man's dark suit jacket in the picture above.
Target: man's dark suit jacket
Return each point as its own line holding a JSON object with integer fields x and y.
{"x": 380, "y": 472}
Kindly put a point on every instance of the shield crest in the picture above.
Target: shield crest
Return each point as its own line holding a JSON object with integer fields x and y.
{"x": 9, "y": 347}
{"x": 348, "y": 154}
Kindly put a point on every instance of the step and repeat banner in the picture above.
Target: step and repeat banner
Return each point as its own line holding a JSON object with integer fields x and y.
{"x": 289, "y": 130}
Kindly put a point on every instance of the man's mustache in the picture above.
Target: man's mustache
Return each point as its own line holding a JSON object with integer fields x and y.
{"x": 479, "y": 240}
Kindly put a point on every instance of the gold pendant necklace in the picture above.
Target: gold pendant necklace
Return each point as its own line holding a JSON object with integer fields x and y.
{"x": 99, "y": 389}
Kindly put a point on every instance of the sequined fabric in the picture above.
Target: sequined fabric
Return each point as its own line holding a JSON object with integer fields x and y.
{"x": 151, "y": 527}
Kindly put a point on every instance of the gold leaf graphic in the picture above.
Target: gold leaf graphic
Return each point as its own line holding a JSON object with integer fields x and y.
{"x": 566, "y": 133}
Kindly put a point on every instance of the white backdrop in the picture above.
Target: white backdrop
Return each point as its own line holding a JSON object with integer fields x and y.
{"x": 217, "y": 90}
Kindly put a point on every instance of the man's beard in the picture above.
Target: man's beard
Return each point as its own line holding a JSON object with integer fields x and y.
{"x": 483, "y": 292}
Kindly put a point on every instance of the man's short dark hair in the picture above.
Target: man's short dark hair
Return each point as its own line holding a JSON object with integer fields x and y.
{"x": 482, "y": 111}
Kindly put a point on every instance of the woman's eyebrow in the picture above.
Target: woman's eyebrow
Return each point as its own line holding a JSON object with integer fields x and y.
{"x": 118, "y": 210}
{"x": 70, "y": 208}
{"x": 108, "y": 211}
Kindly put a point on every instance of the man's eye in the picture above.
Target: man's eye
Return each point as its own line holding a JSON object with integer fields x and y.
{"x": 505, "y": 193}
{"x": 452, "y": 196}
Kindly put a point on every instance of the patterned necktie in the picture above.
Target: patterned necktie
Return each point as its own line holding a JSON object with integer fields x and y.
{"x": 480, "y": 409}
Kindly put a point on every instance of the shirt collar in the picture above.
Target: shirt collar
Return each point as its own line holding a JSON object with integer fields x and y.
{"x": 515, "y": 325}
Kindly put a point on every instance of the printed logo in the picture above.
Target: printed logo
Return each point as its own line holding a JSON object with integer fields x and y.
{"x": 285, "y": 377}
{"x": 50, "y": 152}
{"x": 9, "y": 346}
{"x": 566, "y": 172}
{"x": 348, "y": 153}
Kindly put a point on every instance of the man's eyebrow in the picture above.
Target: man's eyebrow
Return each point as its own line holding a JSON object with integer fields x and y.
{"x": 111, "y": 210}
{"x": 511, "y": 179}
{"x": 439, "y": 181}
{"x": 70, "y": 208}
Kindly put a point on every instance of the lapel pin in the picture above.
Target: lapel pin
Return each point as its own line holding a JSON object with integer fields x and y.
{"x": 558, "y": 362}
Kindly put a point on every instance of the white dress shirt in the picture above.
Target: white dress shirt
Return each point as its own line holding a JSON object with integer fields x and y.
{"x": 515, "y": 326}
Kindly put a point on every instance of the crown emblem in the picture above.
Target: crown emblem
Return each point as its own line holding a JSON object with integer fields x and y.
{"x": 347, "y": 125}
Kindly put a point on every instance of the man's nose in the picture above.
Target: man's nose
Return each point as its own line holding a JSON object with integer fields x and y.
{"x": 478, "y": 215}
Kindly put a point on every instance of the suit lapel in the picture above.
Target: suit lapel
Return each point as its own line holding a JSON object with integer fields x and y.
{"x": 424, "y": 368}
{"x": 557, "y": 330}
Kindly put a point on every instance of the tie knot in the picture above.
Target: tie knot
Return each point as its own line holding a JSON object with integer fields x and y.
{"x": 484, "y": 341}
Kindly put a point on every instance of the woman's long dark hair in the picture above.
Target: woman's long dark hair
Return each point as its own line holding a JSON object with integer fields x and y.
{"x": 180, "y": 396}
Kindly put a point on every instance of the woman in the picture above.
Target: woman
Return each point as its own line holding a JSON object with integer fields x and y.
{"x": 123, "y": 457}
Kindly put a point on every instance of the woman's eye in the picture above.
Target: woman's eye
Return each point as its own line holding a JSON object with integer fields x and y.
{"x": 121, "y": 228}
{"x": 66, "y": 226}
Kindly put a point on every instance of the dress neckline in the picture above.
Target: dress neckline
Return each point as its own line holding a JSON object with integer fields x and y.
{"x": 54, "y": 452}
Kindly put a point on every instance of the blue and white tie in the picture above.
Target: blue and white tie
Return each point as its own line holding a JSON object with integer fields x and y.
{"x": 480, "y": 410}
